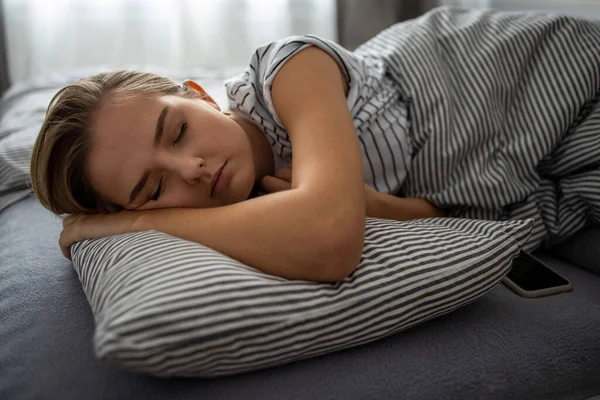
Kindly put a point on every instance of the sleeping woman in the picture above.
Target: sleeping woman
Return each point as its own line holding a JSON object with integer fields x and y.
{"x": 471, "y": 114}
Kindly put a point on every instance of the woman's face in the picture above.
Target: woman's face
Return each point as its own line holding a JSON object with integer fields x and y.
{"x": 167, "y": 151}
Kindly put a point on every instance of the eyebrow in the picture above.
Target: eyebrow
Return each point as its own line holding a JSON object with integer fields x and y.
{"x": 160, "y": 125}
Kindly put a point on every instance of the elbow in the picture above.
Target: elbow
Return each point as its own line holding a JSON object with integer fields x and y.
{"x": 341, "y": 251}
{"x": 340, "y": 268}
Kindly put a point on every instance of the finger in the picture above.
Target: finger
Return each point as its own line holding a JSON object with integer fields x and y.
{"x": 65, "y": 243}
{"x": 67, "y": 254}
{"x": 285, "y": 174}
{"x": 271, "y": 184}
{"x": 65, "y": 250}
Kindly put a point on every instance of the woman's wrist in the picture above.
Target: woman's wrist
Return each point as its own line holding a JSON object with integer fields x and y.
{"x": 382, "y": 204}
{"x": 401, "y": 209}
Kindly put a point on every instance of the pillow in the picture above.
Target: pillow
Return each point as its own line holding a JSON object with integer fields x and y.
{"x": 170, "y": 307}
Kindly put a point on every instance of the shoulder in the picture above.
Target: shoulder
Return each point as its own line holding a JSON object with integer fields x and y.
{"x": 309, "y": 75}
{"x": 281, "y": 52}
{"x": 268, "y": 59}
{"x": 253, "y": 86}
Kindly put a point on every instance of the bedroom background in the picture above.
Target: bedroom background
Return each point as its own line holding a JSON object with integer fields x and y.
{"x": 48, "y": 36}
{"x": 504, "y": 346}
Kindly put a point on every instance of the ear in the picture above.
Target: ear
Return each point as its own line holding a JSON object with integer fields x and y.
{"x": 203, "y": 95}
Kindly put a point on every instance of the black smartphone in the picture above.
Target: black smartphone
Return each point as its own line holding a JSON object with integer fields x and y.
{"x": 530, "y": 277}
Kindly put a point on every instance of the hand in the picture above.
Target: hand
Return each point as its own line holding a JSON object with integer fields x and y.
{"x": 283, "y": 181}
{"x": 80, "y": 227}
{"x": 278, "y": 183}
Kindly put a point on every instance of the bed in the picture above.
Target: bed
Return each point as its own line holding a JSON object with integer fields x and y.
{"x": 500, "y": 346}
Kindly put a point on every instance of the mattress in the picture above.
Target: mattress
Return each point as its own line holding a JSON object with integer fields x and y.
{"x": 499, "y": 347}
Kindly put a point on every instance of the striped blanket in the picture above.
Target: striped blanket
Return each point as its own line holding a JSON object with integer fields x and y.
{"x": 505, "y": 115}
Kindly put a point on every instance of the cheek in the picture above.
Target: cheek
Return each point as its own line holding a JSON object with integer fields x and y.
{"x": 186, "y": 196}
{"x": 183, "y": 195}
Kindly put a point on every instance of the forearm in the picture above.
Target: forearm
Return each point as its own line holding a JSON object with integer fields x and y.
{"x": 277, "y": 234}
{"x": 403, "y": 209}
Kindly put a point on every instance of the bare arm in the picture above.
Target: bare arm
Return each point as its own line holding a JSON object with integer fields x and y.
{"x": 403, "y": 208}
{"x": 378, "y": 205}
{"x": 314, "y": 231}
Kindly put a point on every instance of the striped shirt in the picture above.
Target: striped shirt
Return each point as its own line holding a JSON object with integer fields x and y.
{"x": 485, "y": 114}
{"x": 378, "y": 113}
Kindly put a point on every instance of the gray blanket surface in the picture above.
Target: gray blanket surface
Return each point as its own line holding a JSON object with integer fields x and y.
{"x": 499, "y": 347}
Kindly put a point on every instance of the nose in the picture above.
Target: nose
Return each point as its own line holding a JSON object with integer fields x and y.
{"x": 193, "y": 170}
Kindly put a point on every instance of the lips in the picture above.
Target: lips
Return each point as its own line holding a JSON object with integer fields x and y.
{"x": 215, "y": 178}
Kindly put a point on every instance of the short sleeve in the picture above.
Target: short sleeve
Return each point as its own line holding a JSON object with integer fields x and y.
{"x": 285, "y": 50}
{"x": 249, "y": 93}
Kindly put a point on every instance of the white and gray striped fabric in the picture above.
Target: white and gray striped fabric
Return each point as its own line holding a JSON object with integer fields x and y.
{"x": 170, "y": 307}
{"x": 504, "y": 113}
{"x": 379, "y": 115}
{"x": 14, "y": 170}
{"x": 489, "y": 115}
{"x": 21, "y": 113}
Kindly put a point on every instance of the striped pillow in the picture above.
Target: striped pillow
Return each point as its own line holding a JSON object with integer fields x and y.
{"x": 170, "y": 307}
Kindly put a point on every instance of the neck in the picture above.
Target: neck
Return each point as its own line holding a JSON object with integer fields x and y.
{"x": 262, "y": 153}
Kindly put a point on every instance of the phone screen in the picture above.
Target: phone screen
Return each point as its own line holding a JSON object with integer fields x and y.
{"x": 530, "y": 274}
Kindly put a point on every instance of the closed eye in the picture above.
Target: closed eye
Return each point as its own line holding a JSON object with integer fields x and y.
{"x": 158, "y": 190}
{"x": 181, "y": 133}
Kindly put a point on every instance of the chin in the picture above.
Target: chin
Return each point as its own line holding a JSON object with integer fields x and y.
{"x": 241, "y": 195}
{"x": 240, "y": 186}
{"x": 234, "y": 195}
{"x": 244, "y": 187}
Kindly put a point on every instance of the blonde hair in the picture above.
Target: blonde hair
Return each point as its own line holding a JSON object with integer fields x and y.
{"x": 58, "y": 158}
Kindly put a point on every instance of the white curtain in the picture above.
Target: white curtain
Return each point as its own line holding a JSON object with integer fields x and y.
{"x": 47, "y": 36}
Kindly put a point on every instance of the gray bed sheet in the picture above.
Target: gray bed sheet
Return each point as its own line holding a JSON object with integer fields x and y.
{"x": 499, "y": 347}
